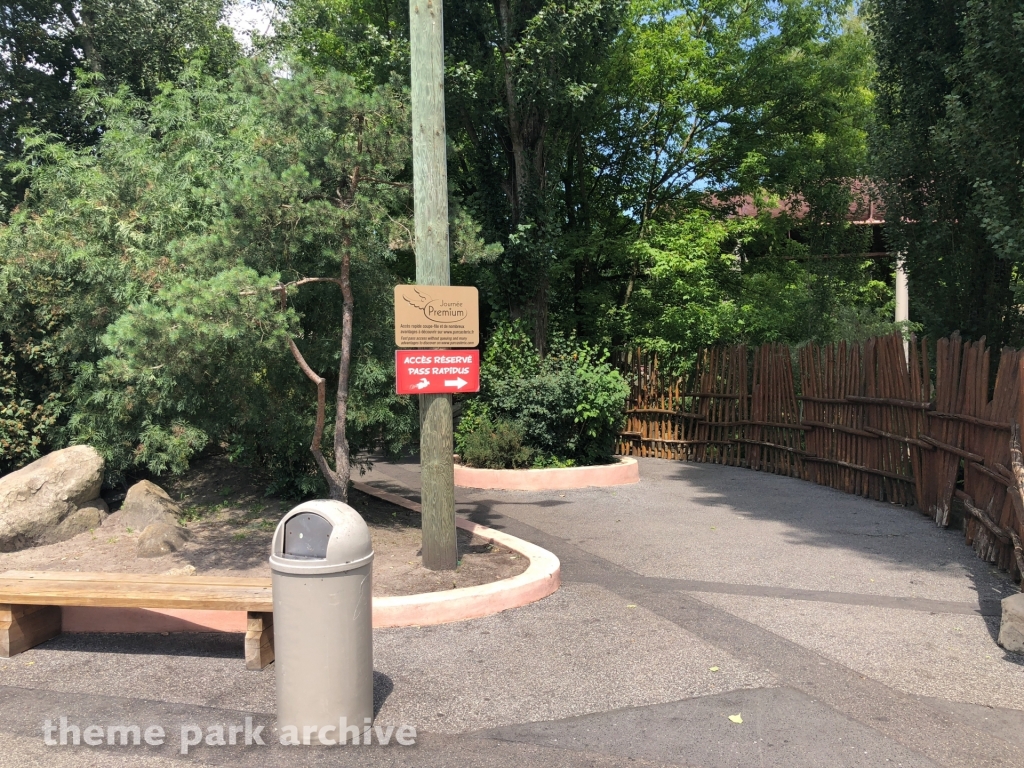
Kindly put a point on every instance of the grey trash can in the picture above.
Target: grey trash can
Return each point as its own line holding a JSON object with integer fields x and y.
{"x": 321, "y": 562}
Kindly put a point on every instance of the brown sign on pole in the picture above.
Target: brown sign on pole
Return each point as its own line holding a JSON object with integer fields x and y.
{"x": 436, "y": 316}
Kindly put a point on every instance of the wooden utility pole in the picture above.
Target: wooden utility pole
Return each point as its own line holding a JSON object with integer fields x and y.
{"x": 430, "y": 198}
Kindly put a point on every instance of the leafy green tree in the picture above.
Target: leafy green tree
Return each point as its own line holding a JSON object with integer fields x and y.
{"x": 219, "y": 247}
{"x": 579, "y": 129}
{"x": 948, "y": 143}
{"x": 696, "y": 292}
{"x": 518, "y": 78}
{"x": 45, "y": 45}
{"x": 715, "y": 102}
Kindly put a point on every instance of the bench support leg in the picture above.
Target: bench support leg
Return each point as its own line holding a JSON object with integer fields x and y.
{"x": 259, "y": 640}
{"x": 25, "y": 626}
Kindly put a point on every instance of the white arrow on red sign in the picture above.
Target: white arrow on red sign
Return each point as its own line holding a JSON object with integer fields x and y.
{"x": 437, "y": 371}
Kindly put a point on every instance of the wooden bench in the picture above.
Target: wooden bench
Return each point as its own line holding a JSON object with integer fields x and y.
{"x": 31, "y": 601}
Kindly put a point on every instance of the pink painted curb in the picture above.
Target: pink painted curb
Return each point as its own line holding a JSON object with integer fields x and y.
{"x": 90, "y": 619}
{"x": 622, "y": 472}
{"x": 541, "y": 578}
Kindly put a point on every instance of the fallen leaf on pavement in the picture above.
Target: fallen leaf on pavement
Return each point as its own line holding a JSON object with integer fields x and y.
{"x": 714, "y": 669}
{"x": 736, "y": 718}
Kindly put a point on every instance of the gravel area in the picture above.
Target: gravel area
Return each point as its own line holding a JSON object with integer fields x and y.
{"x": 232, "y": 523}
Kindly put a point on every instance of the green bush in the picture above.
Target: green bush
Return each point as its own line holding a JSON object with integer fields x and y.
{"x": 25, "y": 425}
{"x": 496, "y": 445}
{"x": 568, "y": 406}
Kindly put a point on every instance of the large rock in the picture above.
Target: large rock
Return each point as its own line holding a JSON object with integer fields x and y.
{"x": 40, "y": 503}
{"x": 148, "y": 503}
{"x": 87, "y": 517}
{"x": 161, "y": 539}
{"x": 1011, "y": 628}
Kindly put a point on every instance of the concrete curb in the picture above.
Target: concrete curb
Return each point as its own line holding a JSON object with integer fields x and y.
{"x": 623, "y": 472}
{"x": 541, "y": 578}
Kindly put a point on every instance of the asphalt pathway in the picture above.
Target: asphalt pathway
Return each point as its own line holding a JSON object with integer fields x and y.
{"x": 838, "y": 631}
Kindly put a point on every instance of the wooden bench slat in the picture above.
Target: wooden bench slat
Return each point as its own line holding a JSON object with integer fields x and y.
{"x": 210, "y": 601}
{"x": 100, "y": 590}
{"x": 136, "y": 578}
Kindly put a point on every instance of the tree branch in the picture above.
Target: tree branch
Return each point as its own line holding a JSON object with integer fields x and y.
{"x": 306, "y": 281}
{"x": 337, "y": 489}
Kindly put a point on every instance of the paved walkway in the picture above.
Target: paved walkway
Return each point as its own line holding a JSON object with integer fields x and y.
{"x": 844, "y": 632}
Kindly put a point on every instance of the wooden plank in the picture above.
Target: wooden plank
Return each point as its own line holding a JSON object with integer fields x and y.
{"x": 668, "y": 411}
{"x": 859, "y": 468}
{"x": 775, "y": 424}
{"x": 981, "y": 517}
{"x": 684, "y": 442}
{"x": 900, "y": 438}
{"x": 1002, "y": 470}
{"x": 889, "y": 401}
{"x": 112, "y": 591}
{"x": 773, "y": 446}
{"x": 138, "y": 578}
{"x": 840, "y": 428}
{"x": 972, "y": 420}
{"x": 1018, "y": 555}
{"x": 989, "y": 473}
{"x": 259, "y": 640}
{"x": 25, "y": 626}
{"x": 952, "y": 449}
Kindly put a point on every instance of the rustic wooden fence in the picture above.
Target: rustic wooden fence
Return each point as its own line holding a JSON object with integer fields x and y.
{"x": 886, "y": 419}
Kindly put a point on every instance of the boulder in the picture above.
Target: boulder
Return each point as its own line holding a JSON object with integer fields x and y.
{"x": 148, "y": 503}
{"x": 161, "y": 539}
{"x": 1011, "y": 628}
{"x": 87, "y": 517}
{"x": 39, "y": 504}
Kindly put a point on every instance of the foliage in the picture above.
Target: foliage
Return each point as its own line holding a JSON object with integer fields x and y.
{"x": 25, "y": 426}
{"x": 576, "y": 126}
{"x": 49, "y": 50}
{"x": 948, "y": 144}
{"x": 497, "y": 445}
{"x": 567, "y": 406}
{"x": 700, "y": 292}
{"x": 600, "y": 153}
{"x": 711, "y": 105}
{"x": 153, "y": 258}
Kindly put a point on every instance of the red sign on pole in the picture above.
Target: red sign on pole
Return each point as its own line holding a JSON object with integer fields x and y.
{"x": 437, "y": 371}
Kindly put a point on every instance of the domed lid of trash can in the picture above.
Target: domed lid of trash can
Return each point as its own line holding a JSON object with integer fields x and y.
{"x": 322, "y": 536}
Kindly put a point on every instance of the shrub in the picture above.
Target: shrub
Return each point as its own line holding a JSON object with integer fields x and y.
{"x": 496, "y": 445}
{"x": 568, "y": 406}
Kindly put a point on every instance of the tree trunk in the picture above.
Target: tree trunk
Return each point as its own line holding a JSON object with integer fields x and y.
{"x": 337, "y": 479}
{"x": 83, "y": 24}
{"x": 341, "y": 459}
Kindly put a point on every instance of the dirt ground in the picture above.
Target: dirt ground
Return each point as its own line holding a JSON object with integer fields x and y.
{"x": 232, "y": 523}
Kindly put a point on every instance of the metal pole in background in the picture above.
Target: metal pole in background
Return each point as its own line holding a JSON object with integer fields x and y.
{"x": 430, "y": 199}
{"x": 902, "y": 297}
